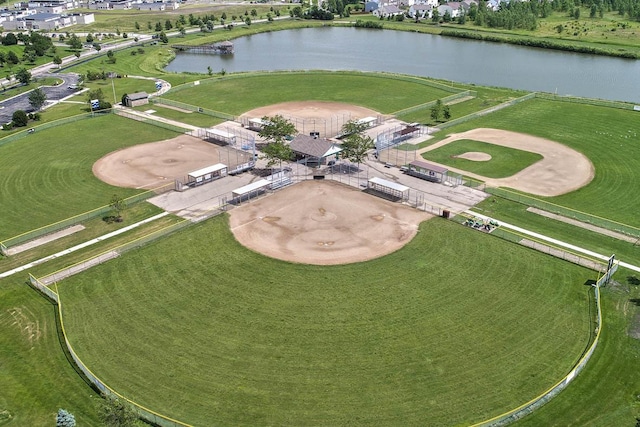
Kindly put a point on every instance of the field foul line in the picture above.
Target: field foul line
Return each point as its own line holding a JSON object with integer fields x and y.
{"x": 82, "y": 245}
{"x": 554, "y": 241}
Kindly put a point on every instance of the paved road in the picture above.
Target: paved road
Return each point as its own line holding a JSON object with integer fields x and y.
{"x": 54, "y": 93}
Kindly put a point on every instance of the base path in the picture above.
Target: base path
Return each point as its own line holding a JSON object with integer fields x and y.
{"x": 561, "y": 170}
{"x": 324, "y": 222}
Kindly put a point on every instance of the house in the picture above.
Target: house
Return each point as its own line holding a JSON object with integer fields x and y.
{"x": 52, "y": 6}
{"x": 110, "y": 4}
{"x": 136, "y": 99}
{"x": 158, "y": 5}
{"x": 370, "y": 6}
{"x": 37, "y": 21}
{"x": 313, "y": 150}
{"x": 387, "y": 11}
{"x": 421, "y": 11}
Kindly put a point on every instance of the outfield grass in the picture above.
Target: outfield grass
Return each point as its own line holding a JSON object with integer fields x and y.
{"x": 41, "y": 189}
{"x": 37, "y": 379}
{"x": 242, "y": 339}
{"x": 237, "y": 94}
{"x": 504, "y": 161}
{"x": 607, "y": 392}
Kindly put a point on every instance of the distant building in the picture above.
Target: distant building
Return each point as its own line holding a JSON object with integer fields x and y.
{"x": 136, "y": 99}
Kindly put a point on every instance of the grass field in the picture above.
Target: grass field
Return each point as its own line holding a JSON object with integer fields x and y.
{"x": 402, "y": 340}
{"x": 39, "y": 190}
{"x": 238, "y": 94}
{"x": 504, "y": 161}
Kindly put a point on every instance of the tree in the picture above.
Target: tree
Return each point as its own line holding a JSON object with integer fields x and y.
{"x": 247, "y": 21}
{"x": 135, "y": 24}
{"x": 19, "y": 118}
{"x": 118, "y": 205}
{"x": 89, "y": 38}
{"x": 158, "y": 27}
{"x": 436, "y": 110}
{"x": 446, "y": 113}
{"x": 97, "y": 47}
{"x": 114, "y": 413}
{"x": 24, "y": 76}
{"x": 99, "y": 95}
{"x": 57, "y": 60}
{"x": 355, "y": 144}
{"x": 168, "y": 25}
{"x": 74, "y": 42}
{"x": 9, "y": 40}
{"x": 65, "y": 419}
{"x": 12, "y": 58}
{"x": 275, "y": 131}
{"x": 37, "y": 98}
{"x": 163, "y": 37}
{"x": 111, "y": 57}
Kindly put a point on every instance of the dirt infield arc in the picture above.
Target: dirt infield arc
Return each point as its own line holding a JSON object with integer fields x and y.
{"x": 323, "y": 223}
{"x": 561, "y": 170}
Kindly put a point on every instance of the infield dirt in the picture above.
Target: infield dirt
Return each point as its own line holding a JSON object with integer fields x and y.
{"x": 324, "y": 222}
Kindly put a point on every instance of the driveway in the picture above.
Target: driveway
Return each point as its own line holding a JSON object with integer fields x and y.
{"x": 54, "y": 93}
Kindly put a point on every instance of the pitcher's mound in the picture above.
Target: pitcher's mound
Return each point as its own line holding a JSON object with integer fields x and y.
{"x": 324, "y": 222}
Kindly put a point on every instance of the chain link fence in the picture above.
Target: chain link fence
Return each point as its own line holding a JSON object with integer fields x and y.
{"x": 566, "y": 212}
{"x": 57, "y": 226}
{"x": 193, "y": 108}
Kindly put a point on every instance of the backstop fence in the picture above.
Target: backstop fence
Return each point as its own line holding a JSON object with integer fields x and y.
{"x": 60, "y": 225}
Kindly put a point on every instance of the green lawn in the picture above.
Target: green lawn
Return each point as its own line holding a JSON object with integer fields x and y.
{"x": 504, "y": 161}
{"x": 37, "y": 378}
{"x": 242, "y": 339}
{"x": 40, "y": 189}
{"x": 237, "y": 94}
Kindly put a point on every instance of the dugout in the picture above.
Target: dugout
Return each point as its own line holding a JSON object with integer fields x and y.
{"x": 369, "y": 122}
{"x": 387, "y": 189}
{"x": 426, "y": 171}
{"x": 250, "y": 190}
{"x": 257, "y": 124}
{"x": 216, "y": 135}
{"x": 208, "y": 174}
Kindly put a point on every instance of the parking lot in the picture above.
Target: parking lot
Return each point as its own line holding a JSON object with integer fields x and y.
{"x": 54, "y": 93}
